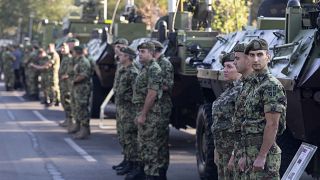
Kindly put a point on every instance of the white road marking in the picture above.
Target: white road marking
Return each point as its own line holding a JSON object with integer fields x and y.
{"x": 11, "y": 116}
{"x": 41, "y": 117}
{"x": 79, "y": 150}
{"x": 34, "y": 140}
{"x": 19, "y": 96}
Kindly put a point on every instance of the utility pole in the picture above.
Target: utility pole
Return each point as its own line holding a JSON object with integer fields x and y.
{"x": 105, "y": 9}
{"x": 30, "y": 25}
{"x": 19, "y": 30}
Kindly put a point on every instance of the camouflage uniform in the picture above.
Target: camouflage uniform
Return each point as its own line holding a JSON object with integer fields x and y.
{"x": 237, "y": 120}
{"x": 31, "y": 73}
{"x": 44, "y": 73}
{"x": 65, "y": 86}
{"x": 268, "y": 96}
{"x": 53, "y": 77}
{"x": 167, "y": 75}
{"x": 126, "y": 111}
{"x": 8, "y": 71}
{"x": 148, "y": 133}
{"x": 80, "y": 91}
{"x": 222, "y": 112}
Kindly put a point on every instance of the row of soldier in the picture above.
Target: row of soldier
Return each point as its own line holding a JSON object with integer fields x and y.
{"x": 143, "y": 103}
{"x": 248, "y": 116}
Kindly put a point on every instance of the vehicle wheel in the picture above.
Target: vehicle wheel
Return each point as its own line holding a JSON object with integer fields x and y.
{"x": 205, "y": 145}
{"x": 289, "y": 146}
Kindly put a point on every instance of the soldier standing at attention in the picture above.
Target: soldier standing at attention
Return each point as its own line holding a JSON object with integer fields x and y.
{"x": 53, "y": 66}
{"x": 32, "y": 74}
{"x": 117, "y": 45}
{"x": 167, "y": 75}
{"x": 146, "y": 97}
{"x": 65, "y": 85}
{"x": 80, "y": 94}
{"x": 8, "y": 59}
{"x": 125, "y": 108}
{"x": 222, "y": 112}
{"x": 264, "y": 117}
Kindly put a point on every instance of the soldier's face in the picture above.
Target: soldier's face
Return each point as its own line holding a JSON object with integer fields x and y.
{"x": 242, "y": 62}
{"x": 123, "y": 58}
{"x": 65, "y": 50}
{"x": 230, "y": 72}
{"x": 145, "y": 55}
{"x": 259, "y": 59}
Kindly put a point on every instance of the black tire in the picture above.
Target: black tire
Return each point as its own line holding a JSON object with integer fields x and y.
{"x": 204, "y": 144}
{"x": 289, "y": 146}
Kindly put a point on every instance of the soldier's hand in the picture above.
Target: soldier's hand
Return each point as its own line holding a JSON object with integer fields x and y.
{"x": 242, "y": 164}
{"x": 258, "y": 164}
{"x": 231, "y": 163}
{"x": 141, "y": 119}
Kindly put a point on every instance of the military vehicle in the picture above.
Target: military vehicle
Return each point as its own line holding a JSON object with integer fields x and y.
{"x": 295, "y": 60}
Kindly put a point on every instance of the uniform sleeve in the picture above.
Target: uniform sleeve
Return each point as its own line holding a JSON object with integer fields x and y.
{"x": 168, "y": 75}
{"x": 84, "y": 69}
{"x": 274, "y": 98}
{"x": 154, "y": 78}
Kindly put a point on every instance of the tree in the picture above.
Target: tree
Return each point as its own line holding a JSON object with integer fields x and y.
{"x": 229, "y": 15}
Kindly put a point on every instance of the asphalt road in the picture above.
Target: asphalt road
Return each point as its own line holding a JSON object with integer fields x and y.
{"x": 34, "y": 147}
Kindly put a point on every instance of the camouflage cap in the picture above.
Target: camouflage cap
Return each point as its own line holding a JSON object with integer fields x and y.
{"x": 121, "y": 41}
{"x": 158, "y": 46}
{"x": 255, "y": 45}
{"x": 129, "y": 51}
{"x": 147, "y": 45}
{"x": 240, "y": 47}
{"x": 227, "y": 57}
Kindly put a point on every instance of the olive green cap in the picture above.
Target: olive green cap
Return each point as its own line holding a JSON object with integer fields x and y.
{"x": 147, "y": 45}
{"x": 240, "y": 47}
{"x": 255, "y": 45}
{"x": 78, "y": 49}
{"x": 227, "y": 57}
{"x": 158, "y": 46}
{"x": 121, "y": 41}
{"x": 129, "y": 51}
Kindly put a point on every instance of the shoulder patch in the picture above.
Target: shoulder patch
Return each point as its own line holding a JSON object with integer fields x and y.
{"x": 272, "y": 90}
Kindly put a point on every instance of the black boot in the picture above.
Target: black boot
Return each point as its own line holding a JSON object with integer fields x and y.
{"x": 126, "y": 168}
{"x": 162, "y": 174}
{"x": 137, "y": 173}
{"x": 122, "y": 163}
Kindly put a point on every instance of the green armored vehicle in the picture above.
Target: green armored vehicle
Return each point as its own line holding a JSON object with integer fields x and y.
{"x": 295, "y": 60}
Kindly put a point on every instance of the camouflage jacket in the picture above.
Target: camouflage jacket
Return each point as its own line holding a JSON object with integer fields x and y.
{"x": 124, "y": 89}
{"x": 116, "y": 77}
{"x": 223, "y": 108}
{"x": 148, "y": 78}
{"x": 7, "y": 59}
{"x": 66, "y": 64}
{"x": 238, "y": 116}
{"x": 53, "y": 70}
{"x": 167, "y": 73}
{"x": 267, "y": 96}
{"x": 81, "y": 67}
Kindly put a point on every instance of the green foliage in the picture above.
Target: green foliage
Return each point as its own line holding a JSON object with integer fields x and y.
{"x": 230, "y": 15}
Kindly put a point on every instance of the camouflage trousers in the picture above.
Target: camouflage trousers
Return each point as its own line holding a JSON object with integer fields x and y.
{"x": 65, "y": 97}
{"x": 32, "y": 81}
{"x": 128, "y": 131}
{"x": 9, "y": 77}
{"x": 272, "y": 165}
{"x": 149, "y": 135}
{"x": 119, "y": 126}
{"x": 224, "y": 144}
{"x": 80, "y": 96}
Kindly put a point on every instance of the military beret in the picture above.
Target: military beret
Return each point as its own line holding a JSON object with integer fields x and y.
{"x": 255, "y": 45}
{"x": 128, "y": 51}
{"x": 227, "y": 57}
{"x": 240, "y": 47}
{"x": 121, "y": 41}
{"x": 147, "y": 45}
{"x": 78, "y": 49}
{"x": 158, "y": 46}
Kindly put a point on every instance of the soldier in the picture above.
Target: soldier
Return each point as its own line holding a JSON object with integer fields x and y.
{"x": 31, "y": 73}
{"x": 244, "y": 67}
{"x": 53, "y": 65}
{"x": 8, "y": 71}
{"x": 222, "y": 112}
{"x": 146, "y": 97}
{"x": 117, "y": 45}
{"x": 80, "y": 76}
{"x": 65, "y": 84}
{"x": 264, "y": 117}
{"x": 167, "y": 75}
{"x": 125, "y": 108}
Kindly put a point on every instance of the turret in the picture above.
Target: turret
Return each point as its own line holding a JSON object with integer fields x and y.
{"x": 293, "y": 20}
